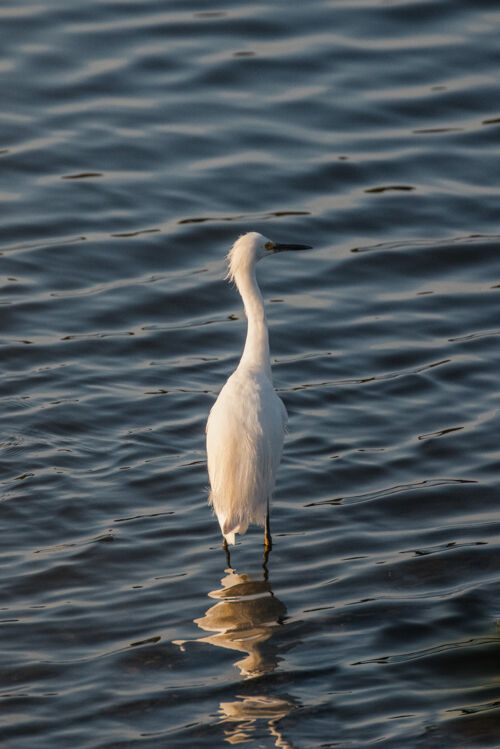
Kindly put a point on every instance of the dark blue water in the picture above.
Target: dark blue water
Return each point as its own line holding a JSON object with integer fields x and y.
{"x": 137, "y": 141}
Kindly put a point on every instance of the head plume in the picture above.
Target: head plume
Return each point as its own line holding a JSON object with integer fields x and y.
{"x": 247, "y": 249}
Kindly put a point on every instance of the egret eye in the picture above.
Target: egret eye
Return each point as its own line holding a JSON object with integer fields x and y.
{"x": 269, "y": 245}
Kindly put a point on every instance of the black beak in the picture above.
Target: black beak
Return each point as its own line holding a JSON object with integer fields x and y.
{"x": 285, "y": 247}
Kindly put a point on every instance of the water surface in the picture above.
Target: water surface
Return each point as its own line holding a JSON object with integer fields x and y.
{"x": 137, "y": 141}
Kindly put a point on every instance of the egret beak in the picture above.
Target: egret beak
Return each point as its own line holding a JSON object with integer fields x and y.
{"x": 284, "y": 247}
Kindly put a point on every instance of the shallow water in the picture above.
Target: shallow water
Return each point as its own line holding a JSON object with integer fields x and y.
{"x": 137, "y": 141}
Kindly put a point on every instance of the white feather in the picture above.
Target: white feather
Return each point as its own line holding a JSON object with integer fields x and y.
{"x": 246, "y": 426}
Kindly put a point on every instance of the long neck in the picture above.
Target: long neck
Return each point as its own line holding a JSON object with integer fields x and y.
{"x": 256, "y": 351}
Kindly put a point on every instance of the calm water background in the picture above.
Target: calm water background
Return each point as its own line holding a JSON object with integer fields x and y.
{"x": 137, "y": 140}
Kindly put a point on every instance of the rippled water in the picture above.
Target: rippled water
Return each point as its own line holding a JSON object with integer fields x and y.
{"x": 137, "y": 140}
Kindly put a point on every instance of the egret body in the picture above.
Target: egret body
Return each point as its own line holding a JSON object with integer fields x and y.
{"x": 246, "y": 426}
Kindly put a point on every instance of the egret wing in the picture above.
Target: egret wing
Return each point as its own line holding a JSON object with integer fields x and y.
{"x": 245, "y": 433}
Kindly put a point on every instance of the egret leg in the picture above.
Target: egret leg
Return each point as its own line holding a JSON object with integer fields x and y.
{"x": 267, "y": 537}
{"x": 226, "y": 549}
{"x": 264, "y": 563}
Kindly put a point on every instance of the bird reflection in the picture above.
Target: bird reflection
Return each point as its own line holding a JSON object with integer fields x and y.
{"x": 244, "y": 619}
{"x": 246, "y": 615}
{"x": 247, "y": 710}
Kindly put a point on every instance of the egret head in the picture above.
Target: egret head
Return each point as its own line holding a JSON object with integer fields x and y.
{"x": 251, "y": 247}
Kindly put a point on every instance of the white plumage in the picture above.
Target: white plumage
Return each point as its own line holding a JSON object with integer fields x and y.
{"x": 246, "y": 426}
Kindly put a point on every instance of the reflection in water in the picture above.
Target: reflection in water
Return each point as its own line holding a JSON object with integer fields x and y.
{"x": 244, "y": 619}
{"x": 247, "y": 710}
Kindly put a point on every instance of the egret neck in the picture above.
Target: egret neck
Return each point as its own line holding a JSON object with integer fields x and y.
{"x": 256, "y": 352}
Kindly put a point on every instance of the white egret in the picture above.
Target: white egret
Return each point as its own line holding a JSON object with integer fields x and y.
{"x": 246, "y": 426}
